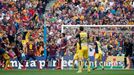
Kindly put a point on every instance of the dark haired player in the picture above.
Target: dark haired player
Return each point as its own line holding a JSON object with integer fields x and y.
{"x": 128, "y": 47}
{"x": 31, "y": 50}
{"x": 4, "y": 53}
{"x": 18, "y": 50}
{"x": 98, "y": 53}
{"x": 83, "y": 49}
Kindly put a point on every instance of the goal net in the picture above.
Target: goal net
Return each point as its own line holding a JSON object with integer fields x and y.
{"x": 113, "y": 35}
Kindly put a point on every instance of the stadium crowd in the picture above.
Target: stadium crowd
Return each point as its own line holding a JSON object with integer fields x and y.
{"x": 92, "y": 12}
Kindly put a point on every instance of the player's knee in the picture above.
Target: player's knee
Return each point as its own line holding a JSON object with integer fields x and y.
{"x": 80, "y": 59}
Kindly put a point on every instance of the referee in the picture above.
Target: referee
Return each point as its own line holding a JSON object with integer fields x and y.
{"x": 128, "y": 45}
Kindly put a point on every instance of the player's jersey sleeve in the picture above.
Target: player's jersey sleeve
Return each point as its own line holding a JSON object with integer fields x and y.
{"x": 96, "y": 47}
{"x": 78, "y": 36}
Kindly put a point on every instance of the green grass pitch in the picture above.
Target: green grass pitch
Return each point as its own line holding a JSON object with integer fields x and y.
{"x": 66, "y": 72}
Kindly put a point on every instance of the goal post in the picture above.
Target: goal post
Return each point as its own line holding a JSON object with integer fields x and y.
{"x": 88, "y": 26}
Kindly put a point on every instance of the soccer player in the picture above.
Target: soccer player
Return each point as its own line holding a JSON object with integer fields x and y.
{"x": 31, "y": 50}
{"x": 98, "y": 53}
{"x": 128, "y": 47}
{"x": 18, "y": 50}
{"x": 51, "y": 52}
{"x": 62, "y": 50}
{"x": 6, "y": 57}
{"x": 4, "y": 53}
{"x": 83, "y": 49}
{"x": 76, "y": 54}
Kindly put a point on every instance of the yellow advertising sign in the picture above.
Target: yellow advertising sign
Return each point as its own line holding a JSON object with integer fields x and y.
{"x": 115, "y": 58}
